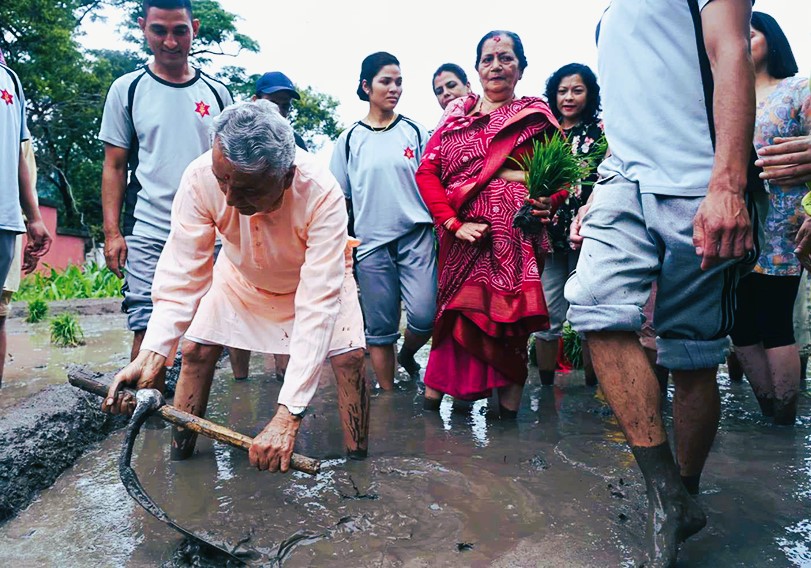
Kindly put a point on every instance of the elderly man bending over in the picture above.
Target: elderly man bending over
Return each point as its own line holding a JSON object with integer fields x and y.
{"x": 282, "y": 283}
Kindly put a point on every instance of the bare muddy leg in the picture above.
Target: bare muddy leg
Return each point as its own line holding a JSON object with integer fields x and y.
{"x": 281, "y": 362}
{"x": 784, "y": 368}
{"x": 137, "y": 339}
{"x": 411, "y": 344}
{"x": 630, "y": 387}
{"x": 696, "y": 412}
{"x": 240, "y": 362}
{"x": 191, "y": 393}
{"x": 353, "y": 401}
{"x": 546, "y": 352}
{"x": 755, "y": 365}
{"x": 734, "y": 368}
{"x": 662, "y": 373}
{"x": 2, "y": 348}
{"x": 433, "y": 399}
{"x": 382, "y": 357}
{"x": 588, "y": 366}
{"x": 509, "y": 400}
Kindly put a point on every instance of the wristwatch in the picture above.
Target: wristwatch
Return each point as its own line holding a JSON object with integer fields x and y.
{"x": 297, "y": 411}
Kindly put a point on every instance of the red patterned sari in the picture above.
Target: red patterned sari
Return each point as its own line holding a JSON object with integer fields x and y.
{"x": 490, "y": 296}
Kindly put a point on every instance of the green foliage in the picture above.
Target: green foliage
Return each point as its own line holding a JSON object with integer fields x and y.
{"x": 572, "y": 347}
{"x": 92, "y": 281}
{"x": 314, "y": 115}
{"x": 551, "y": 166}
{"x": 37, "y": 310}
{"x": 66, "y": 331}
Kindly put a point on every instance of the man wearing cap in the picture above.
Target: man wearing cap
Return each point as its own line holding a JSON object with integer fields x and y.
{"x": 277, "y": 88}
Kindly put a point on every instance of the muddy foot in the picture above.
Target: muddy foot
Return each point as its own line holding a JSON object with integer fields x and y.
{"x": 668, "y": 526}
{"x": 408, "y": 363}
{"x": 785, "y": 411}
{"x": 766, "y": 405}
{"x": 547, "y": 378}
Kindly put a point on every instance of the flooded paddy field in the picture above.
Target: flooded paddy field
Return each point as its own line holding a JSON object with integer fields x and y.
{"x": 557, "y": 488}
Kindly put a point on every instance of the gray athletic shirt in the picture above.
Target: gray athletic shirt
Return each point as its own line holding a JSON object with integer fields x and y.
{"x": 165, "y": 126}
{"x": 376, "y": 171}
{"x": 12, "y": 132}
{"x": 653, "y": 101}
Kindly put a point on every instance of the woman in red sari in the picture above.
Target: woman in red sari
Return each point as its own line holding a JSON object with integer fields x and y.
{"x": 490, "y": 297}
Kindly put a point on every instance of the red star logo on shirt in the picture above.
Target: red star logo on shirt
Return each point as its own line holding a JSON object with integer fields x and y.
{"x": 408, "y": 153}
{"x": 7, "y": 97}
{"x": 202, "y": 109}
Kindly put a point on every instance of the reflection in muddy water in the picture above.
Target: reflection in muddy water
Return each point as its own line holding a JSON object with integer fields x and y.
{"x": 33, "y": 363}
{"x": 557, "y": 488}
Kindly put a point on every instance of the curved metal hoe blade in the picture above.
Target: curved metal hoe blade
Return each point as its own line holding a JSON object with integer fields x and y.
{"x": 149, "y": 400}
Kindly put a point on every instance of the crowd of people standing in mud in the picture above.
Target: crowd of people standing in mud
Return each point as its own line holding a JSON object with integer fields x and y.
{"x": 691, "y": 231}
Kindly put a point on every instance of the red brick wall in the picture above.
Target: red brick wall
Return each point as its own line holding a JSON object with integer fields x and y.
{"x": 65, "y": 249}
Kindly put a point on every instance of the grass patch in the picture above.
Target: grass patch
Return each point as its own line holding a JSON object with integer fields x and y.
{"x": 89, "y": 281}
{"x": 37, "y": 310}
{"x": 66, "y": 331}
{"x": 572, "y": 347}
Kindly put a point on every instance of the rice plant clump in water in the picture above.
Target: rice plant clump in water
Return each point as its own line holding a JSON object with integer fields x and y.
{"x": 74, "y": 282}
{"x": 66, "y": 331}
{"x": 37, "y": 310}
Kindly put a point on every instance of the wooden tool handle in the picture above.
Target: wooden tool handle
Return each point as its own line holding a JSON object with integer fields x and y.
{"x": 86, "y": 380}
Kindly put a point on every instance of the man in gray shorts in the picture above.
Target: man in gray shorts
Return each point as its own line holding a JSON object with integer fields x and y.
{"x": 155, "y": 122}
{"x": 678, "y": 96}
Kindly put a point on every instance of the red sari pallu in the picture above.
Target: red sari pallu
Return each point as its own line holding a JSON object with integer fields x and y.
{"x": 489, "y": 295}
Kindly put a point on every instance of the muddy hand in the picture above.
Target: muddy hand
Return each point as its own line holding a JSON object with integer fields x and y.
{"x": 273, "y": 447}
{"x": 146, "y": 371}
{"x": 721, "y": 228}
{"x": 541, "y": 208}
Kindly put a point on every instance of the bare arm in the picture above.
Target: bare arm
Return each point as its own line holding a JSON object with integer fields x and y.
{"x": 39, "y": 240}
{"x": 722, "y": 229}
{"x": 113, "y": 185}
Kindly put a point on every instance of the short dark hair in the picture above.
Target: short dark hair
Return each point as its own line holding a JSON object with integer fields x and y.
{"x": 370, "y": 67}
{"x": 518, "y": 47}
{"x": 780, "y": 62}
{"x": 167, "y": 5}
{"x": 592, "y": 108}
{"x": 450, "y": 68}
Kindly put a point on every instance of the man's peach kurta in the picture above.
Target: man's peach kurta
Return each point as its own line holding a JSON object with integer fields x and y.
{"x": 282, "y": 282}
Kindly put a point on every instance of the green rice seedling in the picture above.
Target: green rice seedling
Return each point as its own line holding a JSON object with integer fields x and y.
{"x": 572, "y": 347}
{"x": 90, "y": 281}
{"x": 37, "y": 310}
{"x": 66, "y": 331}
{"x": 550, "y": 167}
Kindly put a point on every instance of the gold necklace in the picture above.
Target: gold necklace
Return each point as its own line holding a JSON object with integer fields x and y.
{"x": 382, "y": 129}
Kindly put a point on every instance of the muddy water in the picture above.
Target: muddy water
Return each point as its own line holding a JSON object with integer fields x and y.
{"x": 32, "y": 363}
{"x": 557, "y": 488}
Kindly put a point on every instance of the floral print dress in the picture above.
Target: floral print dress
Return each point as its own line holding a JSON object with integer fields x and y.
{"x": 785, "y": 112}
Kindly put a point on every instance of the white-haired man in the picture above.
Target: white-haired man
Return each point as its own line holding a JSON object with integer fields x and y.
{"x": 281, "y": 284}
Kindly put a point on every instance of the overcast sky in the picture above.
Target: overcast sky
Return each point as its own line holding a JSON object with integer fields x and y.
{"x": 321, "y": 43}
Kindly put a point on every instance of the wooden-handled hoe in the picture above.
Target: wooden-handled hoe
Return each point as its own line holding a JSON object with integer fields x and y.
{"x": 150, "y": 402}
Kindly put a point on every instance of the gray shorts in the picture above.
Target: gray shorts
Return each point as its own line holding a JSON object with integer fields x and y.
{"x": 633, "y": 239}
{"x": 8, "y": 242}
{"x": 556, "y": 271}
{"x": 142, "y": 258}
{"x": 402, "y": 269}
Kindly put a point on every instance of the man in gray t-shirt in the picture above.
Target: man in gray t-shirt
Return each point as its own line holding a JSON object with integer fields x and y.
{"x": 673, "y": 206}
{"x": 156, "y": 121}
